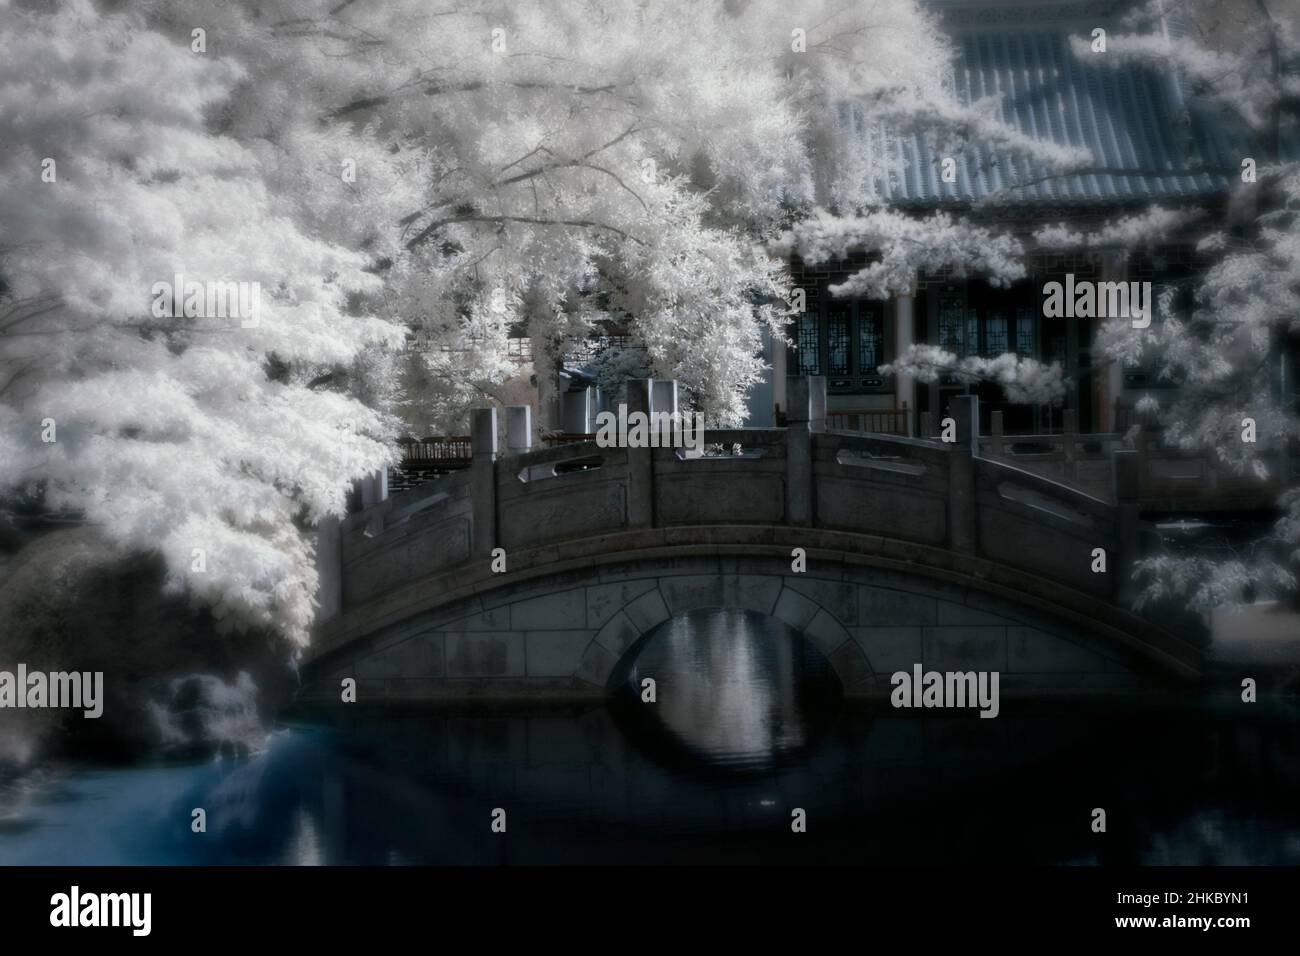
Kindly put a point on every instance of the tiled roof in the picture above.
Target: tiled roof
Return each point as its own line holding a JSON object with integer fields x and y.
{"x": 1148, "y": 141}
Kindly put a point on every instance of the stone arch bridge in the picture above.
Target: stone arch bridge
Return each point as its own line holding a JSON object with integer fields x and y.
{"x": 917, "y": 552}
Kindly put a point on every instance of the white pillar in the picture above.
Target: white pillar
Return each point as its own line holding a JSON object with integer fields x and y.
{"x": 1114, "y": 268}
{"x": 779, "y": 375}
{"x": 904, "y": 336}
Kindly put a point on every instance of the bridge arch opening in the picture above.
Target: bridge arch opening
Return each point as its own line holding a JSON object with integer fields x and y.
{"x": 734, "y": 691}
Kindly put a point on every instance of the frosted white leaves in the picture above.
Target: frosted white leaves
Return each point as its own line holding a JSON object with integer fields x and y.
{"x": 906, "y": 246}
{"x": 691, "y": 293}
{"x": 1234, "y": 75}
{"x": 1023, "y": 379}
{"x": 1203, "y": 584}
{"x": 1149, "y": 227}
{"x": 187, "y": 437}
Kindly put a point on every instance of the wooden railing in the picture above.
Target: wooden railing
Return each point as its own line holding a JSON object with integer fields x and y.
{"x": 426, "y": 458}
{"x": 455, "y": 450}
{"x": 551, "y": 439}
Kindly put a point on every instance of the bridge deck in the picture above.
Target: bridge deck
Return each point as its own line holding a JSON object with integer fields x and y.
{"x": 898, "y": 505}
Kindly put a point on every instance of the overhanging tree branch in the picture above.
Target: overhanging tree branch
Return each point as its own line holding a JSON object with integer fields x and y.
{"x": 437, "y": 224}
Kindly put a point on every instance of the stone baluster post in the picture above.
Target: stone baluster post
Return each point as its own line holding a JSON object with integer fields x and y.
{"x": 519, "y": 429}
{"x": 995, "y": 422}
{"x": 578, "y": 409}
{"x": 798, "y": 450}
{"x": 817, "y": 403}
{"x": 640, "y": 461}
{"x": 663, "y": 395}
{"x": 374, "y": 487}
{"x": 374, "y": 490}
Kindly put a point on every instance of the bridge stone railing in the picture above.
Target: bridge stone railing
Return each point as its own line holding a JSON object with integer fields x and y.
{"x": 941, "y": 495}
{"x": 1170, "y": 479}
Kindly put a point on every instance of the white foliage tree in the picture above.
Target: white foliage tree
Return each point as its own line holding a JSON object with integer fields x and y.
{"x": 1227, "y": 355}
{"x": 460, "y": 167}
{"x": 1228, "y": 352}
{"x": 852, "y": 216}
{"x": 197, "y": 435}
{"x": 581, "y": 160}
{"x": 904, "y": 245}
{"x": 1023, "y": 379}
{"x": 610, "y": 160}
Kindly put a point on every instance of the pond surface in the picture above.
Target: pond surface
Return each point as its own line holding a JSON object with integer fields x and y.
{"x": 747, "y": 725}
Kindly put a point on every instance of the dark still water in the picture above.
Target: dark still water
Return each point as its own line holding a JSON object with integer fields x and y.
{"x": 746, "y": 726}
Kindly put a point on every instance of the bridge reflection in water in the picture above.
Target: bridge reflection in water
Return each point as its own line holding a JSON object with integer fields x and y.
{"x": 734, "y": 690}
{"x": 737, "y": 743}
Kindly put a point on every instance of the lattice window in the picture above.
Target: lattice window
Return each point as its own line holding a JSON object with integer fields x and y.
{"x": 1025, "y": 332}
{"x": 809, "y": 342}
{"x": 951, "y": 326}
{"x": 837, "y": 341}
{"x": 995, "y": 333}
{"x": 871, "y": 339}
